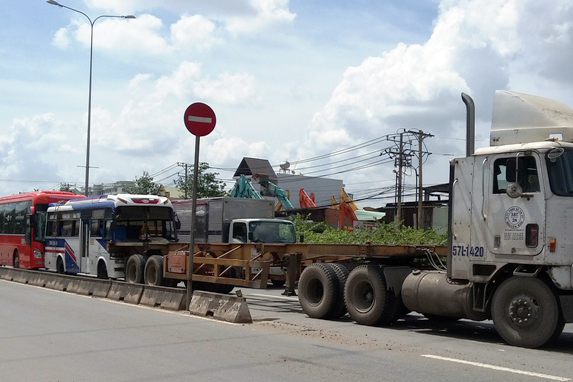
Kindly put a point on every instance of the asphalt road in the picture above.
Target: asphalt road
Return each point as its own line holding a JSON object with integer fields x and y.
{"x": 47, "y": 335}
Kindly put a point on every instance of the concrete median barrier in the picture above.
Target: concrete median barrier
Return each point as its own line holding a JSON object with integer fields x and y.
{"x": 220, "y": 306}
{"x": 37, "y": 279}
{"x": 94, "y": 287}
{"x": 6, "y": 273}
{"x": 122, "y": 291}
{"x": 166, "y": 298}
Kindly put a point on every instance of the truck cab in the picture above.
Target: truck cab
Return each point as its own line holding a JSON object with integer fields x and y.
{"x": 261, "y": 231}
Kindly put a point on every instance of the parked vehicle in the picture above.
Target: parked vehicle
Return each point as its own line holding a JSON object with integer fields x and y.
{"x": 112, "y": 236}
{"x": 22, "y": 223}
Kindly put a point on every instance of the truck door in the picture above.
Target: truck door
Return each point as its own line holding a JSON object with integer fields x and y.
{"x": 515, "y": 216}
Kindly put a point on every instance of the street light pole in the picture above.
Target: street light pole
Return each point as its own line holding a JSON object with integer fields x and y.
{"x": 52, "y": 2}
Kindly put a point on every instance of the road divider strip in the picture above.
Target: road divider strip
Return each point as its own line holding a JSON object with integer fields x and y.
{"x": 154, "y": 296}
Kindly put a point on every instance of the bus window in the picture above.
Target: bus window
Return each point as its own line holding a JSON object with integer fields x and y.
{"x": 9, "y": 215}
{"x": 20, "y": 211}
{"x": 68, "y": 228}
{"x": 96, "y": 228}
{"x": 2, "y": 217}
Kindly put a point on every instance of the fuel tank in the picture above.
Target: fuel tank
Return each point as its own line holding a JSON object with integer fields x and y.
{"x": 432, "y": 293}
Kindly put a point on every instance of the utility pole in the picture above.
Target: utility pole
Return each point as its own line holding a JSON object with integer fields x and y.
{"x": 421, "y": 136}
{"x": 186, "y": 181}
{"x": 401, "y": 159}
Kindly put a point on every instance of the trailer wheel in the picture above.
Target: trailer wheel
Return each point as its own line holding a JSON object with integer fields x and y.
{"x": 153, "y": 273}
{"x": 342, "y": 273}
{"x": 525, "y": 312}
{"x": 367, "y": 299}
{"x": 317, "y": 291}
{"x": 134, "y": 269}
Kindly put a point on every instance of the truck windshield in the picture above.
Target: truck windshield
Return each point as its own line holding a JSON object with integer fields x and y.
{"x": 272, "y": 231}
{"x": 560, "y": 171}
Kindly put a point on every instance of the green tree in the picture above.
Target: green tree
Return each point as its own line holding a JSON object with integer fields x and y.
{"x": 144, "y": 185}
{"x": 65, "y": 187}
{"x": 208, "y": 186}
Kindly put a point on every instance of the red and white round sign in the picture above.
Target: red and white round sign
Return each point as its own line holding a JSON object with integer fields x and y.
{"x": 199, "y": 119}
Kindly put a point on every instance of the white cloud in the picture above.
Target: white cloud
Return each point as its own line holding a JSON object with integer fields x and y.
{"x": 193, "y": 33}
{"x": 61, "y": 38}
{"x": 476, "y": 47}
{"x": 229, "y": 88}
{"x": 268, "y": 13}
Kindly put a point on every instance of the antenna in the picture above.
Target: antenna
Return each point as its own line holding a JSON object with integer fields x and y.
{"x": 284, "y": 166}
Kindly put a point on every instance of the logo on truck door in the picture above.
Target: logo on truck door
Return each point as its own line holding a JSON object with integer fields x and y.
{"x": 514, "y": 217}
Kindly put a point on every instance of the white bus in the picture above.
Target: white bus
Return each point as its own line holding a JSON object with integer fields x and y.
{"x": 78, "y": 232}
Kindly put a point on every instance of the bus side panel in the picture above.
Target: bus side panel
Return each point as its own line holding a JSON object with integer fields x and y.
{"x": 69, "y": 249}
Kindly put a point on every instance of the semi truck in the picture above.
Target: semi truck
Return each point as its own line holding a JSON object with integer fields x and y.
{"x": 509, "y": 256}
{"x": 510, "y": 248}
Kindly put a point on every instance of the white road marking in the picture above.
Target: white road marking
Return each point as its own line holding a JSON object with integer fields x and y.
{"x": 498, "y": 368}
{"x": 194, "y": 118}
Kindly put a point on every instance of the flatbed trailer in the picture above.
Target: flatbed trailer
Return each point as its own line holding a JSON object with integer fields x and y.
{"x": 252, "y": 262}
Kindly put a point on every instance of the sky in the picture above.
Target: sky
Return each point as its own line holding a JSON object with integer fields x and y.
{"x": 324, "y": 85}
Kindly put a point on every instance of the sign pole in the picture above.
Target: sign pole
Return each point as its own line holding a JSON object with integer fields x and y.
{"x": 200, "y": 120}
{"x": 193, "y": 214}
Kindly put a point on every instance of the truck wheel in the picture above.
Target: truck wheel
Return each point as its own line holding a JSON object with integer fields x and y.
{"x": 153, "y": 273}
{"x": 342, "y": 273}
{"x": 525, "y": 312}
{"x": 367, "y": 299}
{"x": 317, "y": 291}
{"x": 134, "y": 269}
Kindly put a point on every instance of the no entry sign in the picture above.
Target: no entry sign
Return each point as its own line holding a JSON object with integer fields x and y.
{"x": 199, "y": 119}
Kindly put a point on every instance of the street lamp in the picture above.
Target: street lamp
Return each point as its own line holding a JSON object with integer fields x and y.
{"x": 86, "y": 191}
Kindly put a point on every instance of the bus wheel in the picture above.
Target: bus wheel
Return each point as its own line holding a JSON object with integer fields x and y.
{"x": 153, "y": 274}
{"x": 16, "y": 260}
{"x": 525, "y": 312}
{"x": 134, "y": 269}
{"x": 101, "y": 270}
{"x": 60, "y": 266}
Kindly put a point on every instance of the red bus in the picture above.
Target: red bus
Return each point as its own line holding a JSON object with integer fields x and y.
{"x": 22, "y": 226}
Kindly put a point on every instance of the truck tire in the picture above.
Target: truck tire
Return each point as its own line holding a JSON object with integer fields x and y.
{"x": 525, "y": 312}
{"x": 367, "y": 299}
{"x": 317, "y": 291}
{"x": 134, "y": 269}
{"x": 342, "y": 273}
{"x": 153, "y": 272}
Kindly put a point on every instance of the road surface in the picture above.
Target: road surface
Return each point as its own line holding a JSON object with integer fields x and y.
{"x": 46, "y": 335}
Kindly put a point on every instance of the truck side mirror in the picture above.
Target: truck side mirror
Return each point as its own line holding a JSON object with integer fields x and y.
{"x": 513, "y": 190}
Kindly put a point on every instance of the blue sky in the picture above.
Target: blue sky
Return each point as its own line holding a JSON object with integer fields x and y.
{"x": 288, "y": 80}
